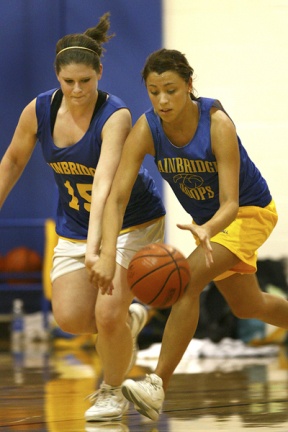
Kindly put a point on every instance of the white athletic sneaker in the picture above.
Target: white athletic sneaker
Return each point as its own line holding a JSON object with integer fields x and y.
{"x": 147, "y": 395}
{"x": 109, "y": 404}
{"x": 139, "y": 317}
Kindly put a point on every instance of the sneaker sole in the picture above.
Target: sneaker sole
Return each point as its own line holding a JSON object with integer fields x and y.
{"x": 98, "y": 418}
{"x": 91, "y": 418}
{"x": 139, "y": 405}
{"x": 89, "y": 427}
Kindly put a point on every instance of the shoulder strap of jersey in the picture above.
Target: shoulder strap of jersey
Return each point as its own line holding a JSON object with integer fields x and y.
{"x": 57, "y": 99}
{"x": 102, "y": 96}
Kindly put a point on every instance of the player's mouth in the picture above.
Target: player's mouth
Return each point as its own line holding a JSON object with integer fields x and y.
{"x": 165, "y": 111}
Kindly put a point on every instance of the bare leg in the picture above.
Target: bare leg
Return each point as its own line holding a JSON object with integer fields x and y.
{"x": 176, "y": 339}
{"x": 182, "y": 322}
{"x": 73, "y": 303}
{"x": 79, "y": 308}
{"x": 247, "y": 300}
{"x": 114, "y": 340}
{"x": 148, "y": 395}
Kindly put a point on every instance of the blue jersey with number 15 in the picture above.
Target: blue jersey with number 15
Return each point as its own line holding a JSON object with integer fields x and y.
{"x": 74, "y": 167}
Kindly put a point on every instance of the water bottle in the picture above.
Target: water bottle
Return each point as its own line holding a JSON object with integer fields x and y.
{"x": 17, "y": 340}
{"x": 17, "y": 325}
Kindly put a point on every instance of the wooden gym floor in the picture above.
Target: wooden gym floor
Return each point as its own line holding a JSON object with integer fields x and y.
{"x": 45, "y": 390}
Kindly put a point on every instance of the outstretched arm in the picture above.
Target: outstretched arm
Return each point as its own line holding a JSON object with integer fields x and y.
{"x": 114, "y": 133}
{"x": 138, "y": 144}
{"x": 19, "y": 151}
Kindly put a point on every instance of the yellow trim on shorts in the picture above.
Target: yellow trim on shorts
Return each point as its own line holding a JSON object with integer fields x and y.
{"x": 143, "y": 225}
{"x": 124, "y": 231}
{"x": 73, "y": 240}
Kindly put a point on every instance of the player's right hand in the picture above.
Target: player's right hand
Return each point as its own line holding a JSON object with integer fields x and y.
{"x": 102, "y": 273}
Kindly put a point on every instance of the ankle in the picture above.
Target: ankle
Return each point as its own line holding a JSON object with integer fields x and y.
{"x": 112, "y": 386}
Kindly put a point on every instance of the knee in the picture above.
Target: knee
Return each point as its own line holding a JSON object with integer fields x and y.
{"x": 108, "y": 321}
{"x": 192, "y": 293}
{"x": 63, "y": 321}
{"x": 73, "y": 321}
{"x": 246, "y": 311}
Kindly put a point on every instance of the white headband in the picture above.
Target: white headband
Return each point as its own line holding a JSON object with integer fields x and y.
{"x": 76, "y": 47}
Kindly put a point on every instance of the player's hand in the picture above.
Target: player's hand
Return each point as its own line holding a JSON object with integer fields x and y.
{"x": 204, "y": 238}
{"x": 90, "y": 260}
{"x": 102, "y": 273}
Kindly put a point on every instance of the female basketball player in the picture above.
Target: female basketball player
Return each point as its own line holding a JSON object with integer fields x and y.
{"x": 198, "y": 152}
{"x": 82, "y": 130}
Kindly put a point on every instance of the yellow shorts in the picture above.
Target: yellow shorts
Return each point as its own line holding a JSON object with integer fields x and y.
{"x": 251, "y": 228}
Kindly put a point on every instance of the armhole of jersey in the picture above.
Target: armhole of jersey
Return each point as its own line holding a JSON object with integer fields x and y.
{"x": 155, "y": 132}
{"x": 217, "y": 104}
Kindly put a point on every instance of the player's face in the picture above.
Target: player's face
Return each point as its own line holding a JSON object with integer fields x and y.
{"x": 79, "y": 82}
{"x": 168, "y": 93}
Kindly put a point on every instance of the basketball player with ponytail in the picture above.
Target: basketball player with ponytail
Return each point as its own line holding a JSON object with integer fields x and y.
{"x": 81, "y": 130}
{"x": 198, "y": 152}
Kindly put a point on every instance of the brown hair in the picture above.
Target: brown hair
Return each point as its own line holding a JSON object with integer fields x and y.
{"x": 168, "y": 60}
{"x": 89, "y": 43}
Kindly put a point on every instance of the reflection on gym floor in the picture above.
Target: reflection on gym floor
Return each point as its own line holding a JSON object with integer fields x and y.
{"x": 44, "y": 387}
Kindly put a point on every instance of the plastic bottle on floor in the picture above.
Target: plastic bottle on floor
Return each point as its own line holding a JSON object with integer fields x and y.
{"x": 18, "y": 340}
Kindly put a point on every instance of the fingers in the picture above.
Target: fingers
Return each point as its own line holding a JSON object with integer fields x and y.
{"x": 184, "y": 227}
{"x": 208, "y": 258}
{"x": 204, "y": 241}
{"x": 201, "y": 233}
{"x": 102, "y": 283}
{"x": 109, "y": 290}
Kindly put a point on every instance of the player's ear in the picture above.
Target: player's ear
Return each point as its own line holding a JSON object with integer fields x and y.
{"x": 100, "y": 72}
{"x": 190, "y": 86}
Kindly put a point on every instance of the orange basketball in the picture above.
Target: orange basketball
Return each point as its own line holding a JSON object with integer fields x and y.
{"x": 158, "y": 275}
{"x": 21, "y": 260}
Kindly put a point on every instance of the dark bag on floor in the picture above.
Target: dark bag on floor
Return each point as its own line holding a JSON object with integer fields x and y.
{"x": 216, "y": 320}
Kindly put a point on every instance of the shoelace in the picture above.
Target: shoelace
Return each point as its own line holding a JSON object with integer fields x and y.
{"x": 92, "y": 396}
{"x": 102, "y": 395}
{"x": 152, "y": 383}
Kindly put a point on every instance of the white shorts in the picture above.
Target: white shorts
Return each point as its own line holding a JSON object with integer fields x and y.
{"x": 70, "y": 255}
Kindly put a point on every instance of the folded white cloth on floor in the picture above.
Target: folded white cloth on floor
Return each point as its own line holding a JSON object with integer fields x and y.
{"x": 232, "y": 348}
{"x": 205, "y": 348}
{"x": 201, "y": 349}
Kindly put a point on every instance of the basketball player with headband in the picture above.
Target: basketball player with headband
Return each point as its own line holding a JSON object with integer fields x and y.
{"x": 81, "y": 130}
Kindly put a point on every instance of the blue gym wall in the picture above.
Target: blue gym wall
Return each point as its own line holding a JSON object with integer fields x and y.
{"x": 29, "y": 31}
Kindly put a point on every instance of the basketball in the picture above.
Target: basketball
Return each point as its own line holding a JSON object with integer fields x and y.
{"x": 158, "y": 275}
{"x": 21, "y": 260}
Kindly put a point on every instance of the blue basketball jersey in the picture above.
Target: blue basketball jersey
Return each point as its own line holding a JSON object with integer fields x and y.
{"x": 192, "y": 171}
{"x": 74, "y": 167}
